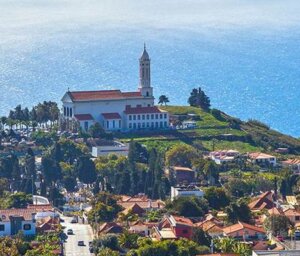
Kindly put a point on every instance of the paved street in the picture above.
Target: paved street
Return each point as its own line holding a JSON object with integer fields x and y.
{"x": 82, "y": 232}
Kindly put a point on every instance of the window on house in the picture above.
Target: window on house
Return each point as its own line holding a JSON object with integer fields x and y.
{"x": 166, "y": 124}
{"x": 161, "y": 124}
{"x": 134, "y": 125}
{"x": 139, "y": 117}
{"x": 130, "y": 125}
{"x": 130, "y": 117}
{"x": 152, "y": 124}
{"x": 152, "y": 116}
{"x": 134, "y": 117}
{"x": 156, "y": 116}
{"x": 107, "y": 124}
{"x": 148, "y": 117}
{"x": 139, "y": 125}
{"x": 86, "y": 126}
{"x": 119, "y": 123}
{"x": 161, "y": 116}
{"x": 297, "y": 218}
{"x": 143, "y": 117}
{"x": 2, "y": 227}
{"x": 184, "y": 231}
{"x": 114, "y": 123}
{"x": 148, "y": 125}
{"x": 26, "y": 227}
{"x": 149, "y": 105}
{"x": 71, "y": 114}
{"x": 147, "y": 94}
{"x": 156, "y": 124}
{"x": 143, "y": 125}
{"x": 65, "y": 111}
{"x": 165, "y": 115}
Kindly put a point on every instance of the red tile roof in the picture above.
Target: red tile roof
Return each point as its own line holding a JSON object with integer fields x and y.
{"x": 240, "y": 226}
{"x": 102, "y": 95}
{"x": 142, "y": 110}
{"x": 24, "y": 212}
{"x": 111, "y": 115}
{"x": 41, "y": 207}
{"x": 83, "y": 117}
{"x": 259, "y": 155}
{"x": 292, "y": 161}
{"x": 265, "y": 200}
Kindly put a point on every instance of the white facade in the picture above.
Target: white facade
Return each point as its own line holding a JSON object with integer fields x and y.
{"x": 27, "y": 227}
{"x": 186, "y": 191}
{"x": 119, "y": 149}
{"x": 115, "y": 110}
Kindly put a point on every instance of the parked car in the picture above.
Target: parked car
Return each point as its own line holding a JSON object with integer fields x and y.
{"x": 74, "y": 220}
{"x": 297, "y": 235}
{"x": 81, "y": 243}
{"x": 70, "y": 232}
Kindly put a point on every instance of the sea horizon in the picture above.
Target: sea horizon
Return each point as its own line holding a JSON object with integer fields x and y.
{"x": 249, "y": 67}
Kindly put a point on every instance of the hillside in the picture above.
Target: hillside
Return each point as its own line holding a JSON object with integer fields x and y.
{"x": 216, "y": 131}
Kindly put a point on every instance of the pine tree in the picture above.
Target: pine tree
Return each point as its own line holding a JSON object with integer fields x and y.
{"x": 198, "y": 98}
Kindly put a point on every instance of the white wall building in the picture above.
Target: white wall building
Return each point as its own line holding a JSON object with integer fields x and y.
{"x": 13, "y": 221}
{"x": 116, "y": 110}
{"x": 186, "y": 191}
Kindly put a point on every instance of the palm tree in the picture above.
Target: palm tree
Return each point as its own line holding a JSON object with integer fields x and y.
{"x": 225, "y": 244}
{"x": 128, "y": 240}
{"x": 163, "y": 99}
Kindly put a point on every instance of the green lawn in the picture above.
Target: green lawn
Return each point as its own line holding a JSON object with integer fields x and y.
{"x": 242, "y": 147}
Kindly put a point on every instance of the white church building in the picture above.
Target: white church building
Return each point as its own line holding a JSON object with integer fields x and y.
{"x": 116, "y": 110}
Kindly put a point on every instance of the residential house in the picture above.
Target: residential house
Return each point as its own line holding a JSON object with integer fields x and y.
{"x": 263, "y": 201}
{"x": 293, "y": 164}
{"x": 180, "y": 175}
{"x": 293, "y": 215}
{"x": 180, "y": 191}
{"x": 244, "y": 231}
{"x": 110, "y": 228}
{"x": 211, "y": 228}
{"x": 134, "y": 208}
{"x": 142, "y": 201}
{"x": 173, "y": 227}
{"x": 262, "y": 159}
{"x": 13, "y": 221}
{"x": 141, "y": 227}
{"x": 224, "y": 156}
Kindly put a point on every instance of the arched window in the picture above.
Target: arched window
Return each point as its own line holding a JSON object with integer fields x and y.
{"x": 67, "y": 111}
{"x": 147, "y": 94}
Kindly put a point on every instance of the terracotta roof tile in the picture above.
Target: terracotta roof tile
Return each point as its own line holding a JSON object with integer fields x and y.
{"x": 25, "y": 213}
{"x": 83, "y": 117}
{"x": 241, "y": 226}
{"x": 111, "y": 115}
{"x": 102, "y": 95}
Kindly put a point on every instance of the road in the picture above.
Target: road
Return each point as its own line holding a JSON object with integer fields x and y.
{"x": 82, "y": 232}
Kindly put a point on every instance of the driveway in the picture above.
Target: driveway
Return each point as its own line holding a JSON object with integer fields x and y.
{"x": 82, "y": 232}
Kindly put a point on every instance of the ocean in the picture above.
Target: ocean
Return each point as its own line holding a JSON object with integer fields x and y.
{"x": 245, "y": 54}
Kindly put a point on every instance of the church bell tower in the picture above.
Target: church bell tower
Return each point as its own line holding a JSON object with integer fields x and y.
{"x": 145, "y": 75}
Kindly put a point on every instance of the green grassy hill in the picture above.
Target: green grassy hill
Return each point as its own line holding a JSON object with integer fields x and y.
{"x": 216, "y": 132}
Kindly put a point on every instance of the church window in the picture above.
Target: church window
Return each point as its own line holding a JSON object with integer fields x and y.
{"x": 130, "y": 117}
{"x": 147, "y": 94}
{"x": 67, "y": 111}
{"x": 147, "y": 116}
{"x": 134, "y": 117}
{"x": 139, "y": 117}
{"x": 143, "y": 117}
{"x": 71, "y": 114}
{"x": 143, "y": 72}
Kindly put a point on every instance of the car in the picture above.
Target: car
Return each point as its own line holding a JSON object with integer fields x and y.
{"x": 74, "y": 220}
{"x": 297, "y": 235}
{"x": 280, "y": 238}
{"x": 81, "y": 243}
{"x": 70, "y": 232}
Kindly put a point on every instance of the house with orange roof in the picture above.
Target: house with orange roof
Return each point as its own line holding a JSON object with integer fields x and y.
{"x": 262, "y": 159}
{"x": 12, "y": 221}
{"x": 142, "y": 201}
{"x": 173, "y": 227}
{"x": 180, "y": 175}
{"x": 292, "y": 164}
{"x": 110, "y": 228}
{"x": 210, "y": 227}
{"x": 244, "y": 231}
{"x": 263, "y": 201}
{"x": 293, "y": 215}
{"x": 142, "y": 228}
